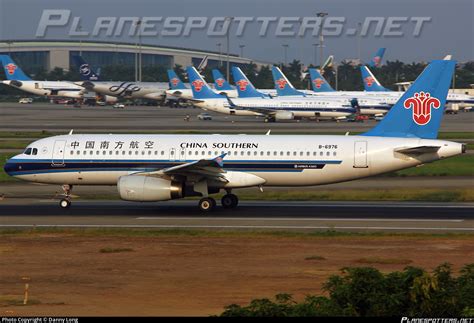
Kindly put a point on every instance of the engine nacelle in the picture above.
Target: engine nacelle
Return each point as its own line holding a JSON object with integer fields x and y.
{"x": 110, "y": 99}
{"x": 284, "y": 115}
{"x": 148, "y": 189}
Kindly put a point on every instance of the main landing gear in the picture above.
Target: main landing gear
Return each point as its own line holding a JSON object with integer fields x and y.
{"x": 65, "y": 202}
{"x": 228, "y": 201}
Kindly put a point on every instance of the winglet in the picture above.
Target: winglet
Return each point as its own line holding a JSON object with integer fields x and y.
{"x": 220, "y": 159}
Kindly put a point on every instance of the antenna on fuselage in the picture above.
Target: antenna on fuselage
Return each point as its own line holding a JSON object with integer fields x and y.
{"x": 70, "y": 132}
{"x": 268, "y": 132}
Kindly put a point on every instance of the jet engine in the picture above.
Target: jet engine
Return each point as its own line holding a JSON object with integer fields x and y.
{"x": 284, "y": 115}
{"x": 148, "y": 189}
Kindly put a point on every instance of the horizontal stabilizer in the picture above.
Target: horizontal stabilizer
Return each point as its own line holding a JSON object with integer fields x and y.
{"x": 417, "y": 150}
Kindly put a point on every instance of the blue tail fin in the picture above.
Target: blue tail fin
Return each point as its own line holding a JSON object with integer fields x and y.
{"x": 201, "y": 90}
{"x": 220, "y": 82}
{"x": 376, "y": 61}
{"x": 174, "y": 81}
{"x": 245, "y": 88}
{"x": 371, "y": 84}
{"x": 419, "y": 111}
{"x": 318, "y": 82}
{"x": 12, "y": 71}
{"x": 85, "y": 70}
{"x": 283, "y": 85}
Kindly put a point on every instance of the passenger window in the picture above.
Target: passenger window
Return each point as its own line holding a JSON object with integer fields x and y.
{"x": 294, "y": 153}
{"x": 117, "y": 152}
{"x": 129, "y": 152}
{"x": 242, "y": 153}
{"x": 261, "y": 153}
{"x": 275, "y": 153}
{"x": 91, "y": 153}
{"x": 149, "y": 152}
{"x": 334, "y": 153}
{"x": 162, "y": 152}
{"x": 143, "y": 152}
{"x": 321, "y": 153}
{"x": 249, "y": 153}
{"x": 104, "y": 152}
{"x": 268, "y": 153}
{"x": 314, "y": 153}
{"x": 78, "y": 152}
{"x": 72, "y": 152}
{"x": 308, "y": 153}
{"x": 288, "y": 153}
{"x": 123, "y": 152}
{"x": 301, "y": 153}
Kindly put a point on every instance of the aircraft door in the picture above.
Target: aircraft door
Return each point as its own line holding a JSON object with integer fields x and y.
{"x": 58, "y": 153}
{"x": 360, "y": 154}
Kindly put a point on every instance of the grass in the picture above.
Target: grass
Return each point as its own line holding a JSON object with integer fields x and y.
{"x": 462, "y": 165}
{"x": 156, "y": 233}
{"x": 3, "y": 176}
{"x": 14, "y": 144}
{"x": 115, "y": 250}
{"x": 315, "y": 258}
{"x": 16, "y": 301}
{"x": 383, "y": 261}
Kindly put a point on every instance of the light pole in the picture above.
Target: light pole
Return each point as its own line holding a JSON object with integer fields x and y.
{"x": 139, "y": 50}
{"x": 359, "y": 25}
{"x": 219, "y": 45}
{"x": 79, "y": 28}
{"x": 321, "y": 38}
{"x": 285, "y": 47}
{"x": 241, "y": 50}
{"x": 228, "y": 44}
{"x": 315, "y": 54}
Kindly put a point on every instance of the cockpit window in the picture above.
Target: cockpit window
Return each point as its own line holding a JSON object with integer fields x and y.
{"x": 28, "y": 151}
{"x": 35, "y": 151}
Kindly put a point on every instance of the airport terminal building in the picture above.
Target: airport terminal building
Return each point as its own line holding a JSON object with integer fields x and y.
{"x": 34, "y": 55}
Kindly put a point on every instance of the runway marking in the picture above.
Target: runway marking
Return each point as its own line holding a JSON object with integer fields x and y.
{"x": 229, "y": 227}
{"x": 298, "y": 219}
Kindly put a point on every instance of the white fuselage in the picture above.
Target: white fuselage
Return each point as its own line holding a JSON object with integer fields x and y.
{"x": 291, "y": 160}
{"x": 49, "y": 88}
{"x": 303, "y": 108}
{"x": 132, "y": 90}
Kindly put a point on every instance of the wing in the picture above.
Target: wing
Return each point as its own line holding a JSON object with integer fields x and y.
{"x": 261, "y": 110}
{"x": 209, "y": 168}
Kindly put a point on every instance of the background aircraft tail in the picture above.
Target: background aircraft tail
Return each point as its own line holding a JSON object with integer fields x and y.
{"x": 201, "y": 90}
{"x": 245, "y": 88}
{"x": 283, "y": 85}
{"x": 419, "y": 111}
{"x": 84, "y": 69}
{"x": 318, "y": 82}
{"x": 371, "y": 84}
{"x": 12, "y": 71}
{"x": 174, "y": 81}
{"x": 220, "y": 82}
{"x": 376, "y": 61}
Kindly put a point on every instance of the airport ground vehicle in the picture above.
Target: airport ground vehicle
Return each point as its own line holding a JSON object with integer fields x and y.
{"x": 204, "y": 116}
{"x": 25, "y": 100}
{"x": 119, "y": 106}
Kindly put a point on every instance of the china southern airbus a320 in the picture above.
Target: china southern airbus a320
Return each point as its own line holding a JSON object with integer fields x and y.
{"x": 151, "y": 168}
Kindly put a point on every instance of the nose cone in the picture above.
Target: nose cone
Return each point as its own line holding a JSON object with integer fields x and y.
{"x": 9, "y": 167}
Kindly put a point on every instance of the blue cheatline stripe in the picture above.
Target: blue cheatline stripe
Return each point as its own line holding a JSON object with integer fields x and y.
{"x": 29, "y": 167}
{"x": 153, "y": 161}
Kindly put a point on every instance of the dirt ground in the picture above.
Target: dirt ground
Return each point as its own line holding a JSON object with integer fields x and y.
{"x": 191, "y": 275}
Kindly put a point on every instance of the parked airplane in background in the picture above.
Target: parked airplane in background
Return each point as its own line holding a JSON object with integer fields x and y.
{"x": 274, "y": 109}
{"x": 151, "y": 168}
{"x": 321, "y": 87}
{"x": 371, "y": 84}
{"x": 129, "y": 90}
{"x": 367, "y": 105}
{"x": 376, "y": 61}
{"x": 18, "y": 79}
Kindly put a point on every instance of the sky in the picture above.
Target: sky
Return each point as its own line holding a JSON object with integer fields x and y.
{"x": 450, "y": 31}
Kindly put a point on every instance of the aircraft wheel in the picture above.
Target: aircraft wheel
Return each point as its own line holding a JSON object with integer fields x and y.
{"x": 207, "y": 204}
{"x": 229, "y": 201}
{"x": 65, "y": 204}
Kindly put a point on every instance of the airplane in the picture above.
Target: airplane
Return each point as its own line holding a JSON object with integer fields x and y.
{"x": 376, "y": 61}
{"x": 368, "y": 105}
{"x": 179, "y": 91}
{"x": 321, "y": 87}
{"x": 152, "y": 168}
{"x": 371, "y": 84}
{"x": 18, "y": 79}
{"x": 274, "y": 109}
{"x": 130, "y": 90}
